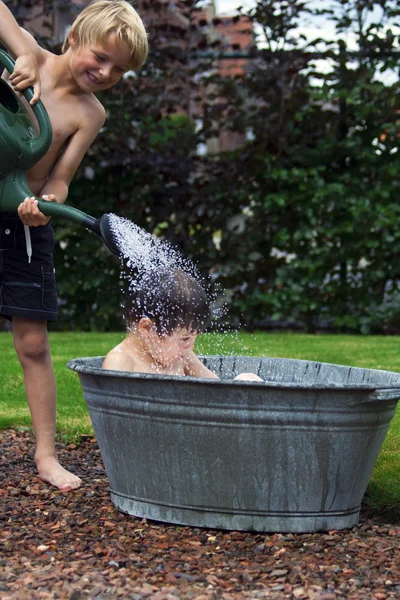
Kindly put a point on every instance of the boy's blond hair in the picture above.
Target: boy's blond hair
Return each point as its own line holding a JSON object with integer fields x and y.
{"x": 101, "y": 18}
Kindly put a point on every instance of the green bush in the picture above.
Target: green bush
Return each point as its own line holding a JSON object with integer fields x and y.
{"x": 299, "y": 224}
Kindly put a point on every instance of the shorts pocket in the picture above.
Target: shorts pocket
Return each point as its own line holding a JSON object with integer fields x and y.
{"x": 49, "y": 290}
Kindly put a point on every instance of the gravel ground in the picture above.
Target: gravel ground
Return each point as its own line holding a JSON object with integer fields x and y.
{"x": 76, "y": 546}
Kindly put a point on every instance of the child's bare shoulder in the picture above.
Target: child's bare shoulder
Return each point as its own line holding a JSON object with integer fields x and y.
{"x": 89, "y": 110}
{"x": 94, "y": 109}
{"x": 119, "y": 360}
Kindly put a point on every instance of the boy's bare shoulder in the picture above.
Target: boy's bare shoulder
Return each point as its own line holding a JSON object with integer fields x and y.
{"x": 94, "y": 108}
{"x": 90, "y": 110}
{"x": 118, "y": 360}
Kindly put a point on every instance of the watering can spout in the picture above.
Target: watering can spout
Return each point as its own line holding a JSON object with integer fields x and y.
{"x": 14, "y": 189}
{"x": 102, "y": 227}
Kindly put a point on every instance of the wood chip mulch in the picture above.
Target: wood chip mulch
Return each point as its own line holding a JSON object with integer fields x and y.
{"x": 77, "y": 546}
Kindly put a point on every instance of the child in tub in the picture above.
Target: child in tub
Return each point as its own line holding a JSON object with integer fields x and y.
{"x": 106, "y": 40}
{"x": 167, "y": 310}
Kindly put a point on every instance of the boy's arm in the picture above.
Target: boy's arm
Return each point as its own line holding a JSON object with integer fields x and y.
{"x": 22, "y": 46}
{"x": 56, "y": 188}
{"x": 195, "y": 368}
{"x": 69, "y": 161}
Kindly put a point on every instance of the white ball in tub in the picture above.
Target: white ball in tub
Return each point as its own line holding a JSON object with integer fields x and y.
{"x": 247, "y": 377}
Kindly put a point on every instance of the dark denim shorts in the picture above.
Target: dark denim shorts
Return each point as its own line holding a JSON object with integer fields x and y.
{"x": 27, "y": 290}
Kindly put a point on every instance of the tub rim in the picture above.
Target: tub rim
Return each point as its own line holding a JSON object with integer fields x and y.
{"x": 378, "y": 392}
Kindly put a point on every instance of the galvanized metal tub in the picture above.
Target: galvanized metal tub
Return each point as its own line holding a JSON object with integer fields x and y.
{"x": 291, "y": 454}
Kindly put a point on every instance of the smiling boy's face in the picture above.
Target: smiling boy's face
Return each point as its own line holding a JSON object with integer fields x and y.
{"x": 98, "y": 67}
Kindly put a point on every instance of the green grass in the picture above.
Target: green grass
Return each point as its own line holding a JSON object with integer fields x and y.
{"x": 374, "y": 352}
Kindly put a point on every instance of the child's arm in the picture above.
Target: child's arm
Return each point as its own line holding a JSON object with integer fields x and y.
{"x": 24, "y": 49}
{"x": 195, "y": 368}
{"x": 56, "y": 188}
{"x": 67, "y": 165}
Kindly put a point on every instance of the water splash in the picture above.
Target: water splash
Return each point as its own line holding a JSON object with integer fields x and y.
{"x": 143, "y": 252}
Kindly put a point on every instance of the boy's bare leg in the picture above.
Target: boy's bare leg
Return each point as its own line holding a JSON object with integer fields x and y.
{"x": 33, "y": 349}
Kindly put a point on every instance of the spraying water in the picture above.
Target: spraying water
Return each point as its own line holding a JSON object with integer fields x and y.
{"x": 143, "y": 252}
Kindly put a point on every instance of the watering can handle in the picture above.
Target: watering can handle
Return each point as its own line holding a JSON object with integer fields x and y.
{"x": 50, "y": 209}
{"x": 38, "y": 108}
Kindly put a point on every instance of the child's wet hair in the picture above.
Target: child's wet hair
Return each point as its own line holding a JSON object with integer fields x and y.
{"x": 103, "y": 17}
{"x": 171, "y": 299}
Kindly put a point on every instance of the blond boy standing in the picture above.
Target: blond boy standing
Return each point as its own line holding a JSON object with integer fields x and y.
{"x": 106, "y": 40}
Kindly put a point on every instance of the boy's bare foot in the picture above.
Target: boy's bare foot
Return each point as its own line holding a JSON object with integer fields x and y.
{"x": 52, "y": 472}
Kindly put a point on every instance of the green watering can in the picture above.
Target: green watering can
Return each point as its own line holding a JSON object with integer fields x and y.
{"x": 21, "y": 148}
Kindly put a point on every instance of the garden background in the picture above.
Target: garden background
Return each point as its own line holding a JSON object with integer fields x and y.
{"x": 298, "y": 225}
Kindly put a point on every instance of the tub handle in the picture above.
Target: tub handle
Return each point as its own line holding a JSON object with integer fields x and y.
{"x": 379, "y": 395}
{"x": 384, "y": 394}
